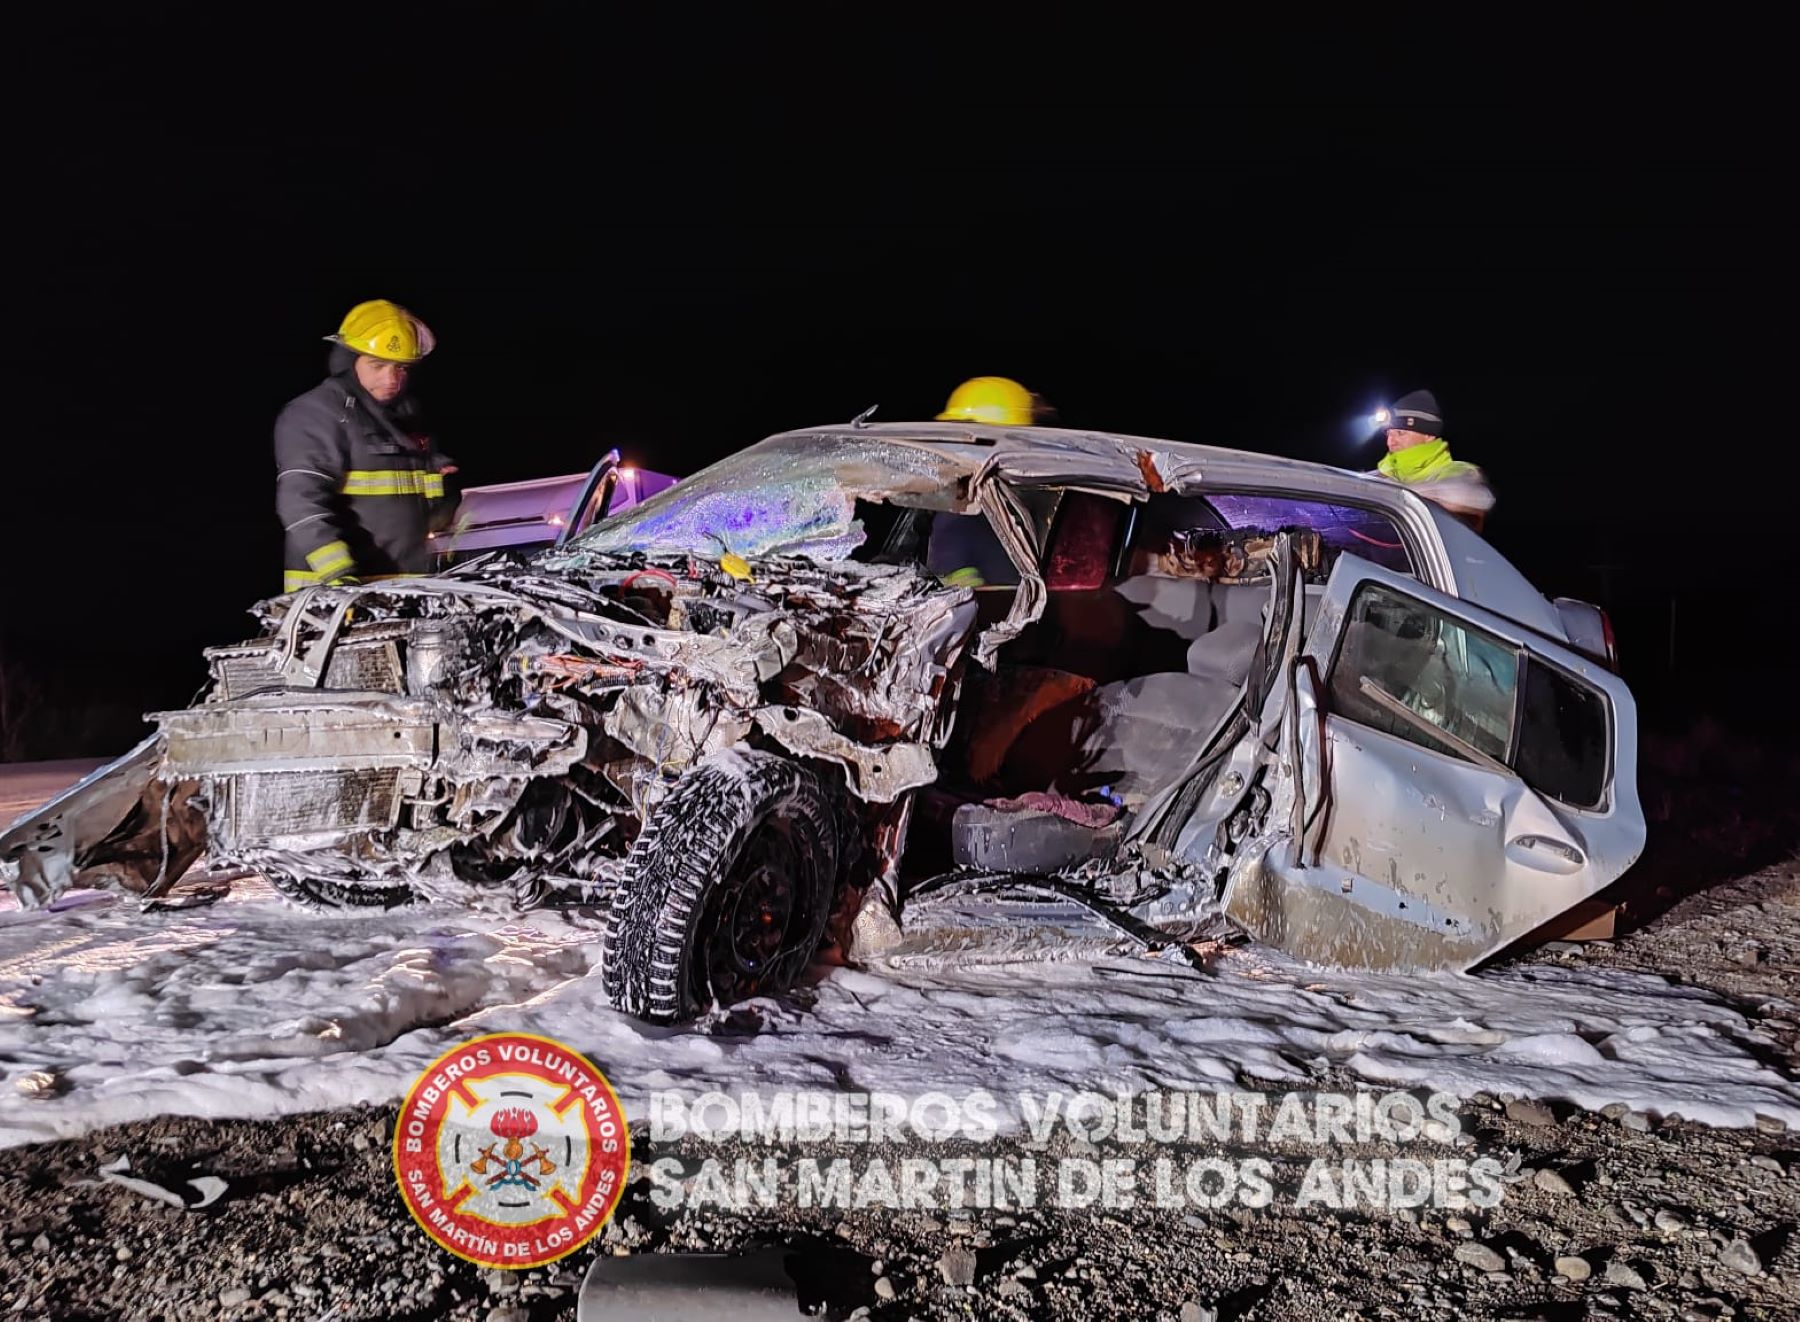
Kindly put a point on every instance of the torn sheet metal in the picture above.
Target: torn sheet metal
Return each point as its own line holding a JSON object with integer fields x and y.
{"x": 47, "y": 845}
{"x": 668, "y": 730}
{"x": 271, "y": 732}
{"x": 1023, "y": 541}
{"x": 1067, "y": 459}
{"x": 493, "y": 727}
{"x": 1002, "y": 917}
{"x": 879, "y": 773}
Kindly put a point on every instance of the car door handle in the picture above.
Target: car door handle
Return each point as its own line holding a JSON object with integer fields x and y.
{"x": 1545, "y": 854}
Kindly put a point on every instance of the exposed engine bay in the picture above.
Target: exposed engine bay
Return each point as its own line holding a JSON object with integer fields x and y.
{"x": 504, "y": 733}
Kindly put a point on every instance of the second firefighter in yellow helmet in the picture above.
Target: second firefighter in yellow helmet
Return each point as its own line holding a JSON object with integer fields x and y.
{"x": 996, "y": 400}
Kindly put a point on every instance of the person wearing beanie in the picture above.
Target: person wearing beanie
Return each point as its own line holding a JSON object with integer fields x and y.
{"x": 1419, "y": 457}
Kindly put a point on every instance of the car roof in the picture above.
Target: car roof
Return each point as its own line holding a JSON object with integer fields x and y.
{"x": 975, "y": 443}
{"x": 1463, "y": 562}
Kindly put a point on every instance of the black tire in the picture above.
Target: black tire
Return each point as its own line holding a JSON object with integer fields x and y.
{"x": 726, "y": 891}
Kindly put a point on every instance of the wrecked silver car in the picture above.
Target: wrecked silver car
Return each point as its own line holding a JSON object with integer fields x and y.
{"x": 895, "y": 685}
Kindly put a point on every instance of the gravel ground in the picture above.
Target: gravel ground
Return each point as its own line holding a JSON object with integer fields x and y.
{"x": 1611, "y": 1214}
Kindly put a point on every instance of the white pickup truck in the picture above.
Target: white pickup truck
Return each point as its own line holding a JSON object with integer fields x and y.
{"x": 544, "y": 511}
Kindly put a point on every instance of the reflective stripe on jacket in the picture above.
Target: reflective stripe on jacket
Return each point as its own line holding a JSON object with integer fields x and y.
{"x": 355, "y": 493}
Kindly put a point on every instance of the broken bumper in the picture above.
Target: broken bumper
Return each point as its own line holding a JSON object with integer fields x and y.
{"x": 301, "y": 771}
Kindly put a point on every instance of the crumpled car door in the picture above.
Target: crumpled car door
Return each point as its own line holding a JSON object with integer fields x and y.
{"x": 1458, "y": 781}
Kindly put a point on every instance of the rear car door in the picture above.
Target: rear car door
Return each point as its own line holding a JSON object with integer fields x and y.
{"x": 1459, "y": 780}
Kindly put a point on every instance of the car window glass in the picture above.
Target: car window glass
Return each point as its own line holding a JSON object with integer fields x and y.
{"x": 1364, "y": 532}
{"x": 892, "y": 534}
{"x": 1563, "y": 737}
{"x": 1456, "y": 677}
{"x": 1470, "y": 683}
{"x": 1162, "y": 515}
{"x": 793, "y": 495}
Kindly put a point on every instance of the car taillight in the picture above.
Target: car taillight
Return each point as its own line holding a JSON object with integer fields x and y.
{"x": 1606, "y": 632}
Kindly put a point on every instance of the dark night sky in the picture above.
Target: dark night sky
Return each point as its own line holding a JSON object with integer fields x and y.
{"x": 677, "y": 236}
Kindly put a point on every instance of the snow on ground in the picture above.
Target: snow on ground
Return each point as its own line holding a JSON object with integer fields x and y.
{"x": 250, "y": 1007}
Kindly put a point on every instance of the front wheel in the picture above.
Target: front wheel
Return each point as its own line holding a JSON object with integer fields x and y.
{"x": 727, "y": 890}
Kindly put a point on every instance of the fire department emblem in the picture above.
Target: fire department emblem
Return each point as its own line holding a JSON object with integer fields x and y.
{"x": 511, "y": 1150}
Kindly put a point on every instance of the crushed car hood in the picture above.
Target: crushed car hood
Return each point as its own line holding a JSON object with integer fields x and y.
{"x": 387, "y": 738}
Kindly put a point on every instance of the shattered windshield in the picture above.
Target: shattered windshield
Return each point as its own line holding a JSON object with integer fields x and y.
{"x": 788, "y": 495}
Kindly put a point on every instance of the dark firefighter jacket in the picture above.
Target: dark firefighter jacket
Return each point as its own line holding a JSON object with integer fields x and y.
{"x": 355, "y": 489}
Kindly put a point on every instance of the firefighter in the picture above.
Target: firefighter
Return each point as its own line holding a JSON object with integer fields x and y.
{"x": 1418, "y": 457}
{"x": 996, "y": 400}
{"x": 358, "y": 484}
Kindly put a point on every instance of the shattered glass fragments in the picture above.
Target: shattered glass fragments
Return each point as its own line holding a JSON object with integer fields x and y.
{"x": 790, "y": 495}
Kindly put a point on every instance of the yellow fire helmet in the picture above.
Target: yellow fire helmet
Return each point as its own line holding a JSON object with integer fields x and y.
{"x": 385, "y": 330}
{"x": 991, "y": 399}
